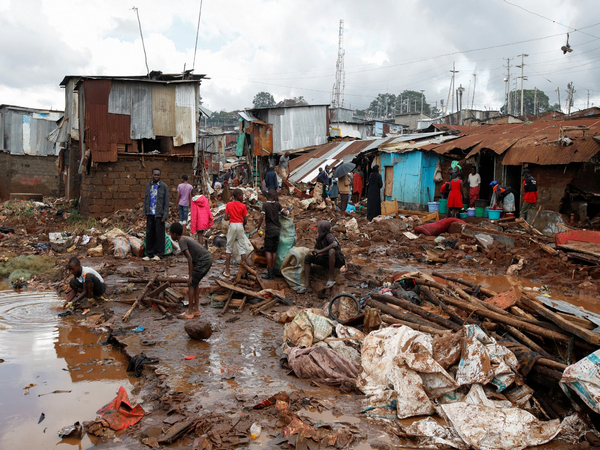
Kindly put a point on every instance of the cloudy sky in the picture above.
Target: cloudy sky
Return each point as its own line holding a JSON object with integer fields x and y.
{"x": 289, "y": 47}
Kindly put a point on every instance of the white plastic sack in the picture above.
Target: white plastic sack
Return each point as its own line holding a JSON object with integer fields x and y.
{"x": 306, "y": 329}
{"x": 489, "y": 428}
{"x": 583, "y": 377}
{"x": 292, "y": 267}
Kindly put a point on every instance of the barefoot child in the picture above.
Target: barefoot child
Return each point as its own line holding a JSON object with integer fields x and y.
{"x": 199, "y": 263}
{"x": 237, "y": 214}
{"x": 270, "y": 212}
{"x": 86, "y": 282}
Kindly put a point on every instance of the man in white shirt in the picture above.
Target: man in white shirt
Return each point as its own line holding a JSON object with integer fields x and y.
{"x": 86, "y": 282}
{"x": 474, "y": 183}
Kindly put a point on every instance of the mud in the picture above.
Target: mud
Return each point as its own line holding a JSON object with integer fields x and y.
{"x": 52, "y": 355}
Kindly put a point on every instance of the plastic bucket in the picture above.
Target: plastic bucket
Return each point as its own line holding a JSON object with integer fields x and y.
{"x": 465, "y": 206}
{"x": 479, "y": 212}
{"x": 471, "y": 212}
{"x": 486, "y": 213}
{"x": 494, "y": 213}
{"x": 443, "y": 206}
{"x": 463, "y": 215}
{"x": 433, "y": 206}
{"x": 510, "y": 214}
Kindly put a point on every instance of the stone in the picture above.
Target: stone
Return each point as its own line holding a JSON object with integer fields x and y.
{"x": 198, "y": 329}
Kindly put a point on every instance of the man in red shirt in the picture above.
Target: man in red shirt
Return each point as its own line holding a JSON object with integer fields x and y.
{"x": 530, "y": 196}
{"x": 237, "y": 214}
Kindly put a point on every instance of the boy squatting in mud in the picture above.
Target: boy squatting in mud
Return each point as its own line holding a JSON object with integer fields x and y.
{"x": 86, "y": 282}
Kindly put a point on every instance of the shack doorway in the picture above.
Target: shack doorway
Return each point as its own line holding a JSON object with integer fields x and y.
{"x": 487, "y": 165}
{"x": 512, "y": 178}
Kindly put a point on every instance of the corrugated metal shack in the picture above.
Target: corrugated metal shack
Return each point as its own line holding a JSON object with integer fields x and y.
{"x": 116, "y": 122}
{"x": 561, "y": 153}
{"x": 28, "y": 158}
{"x": 407, "y": 169}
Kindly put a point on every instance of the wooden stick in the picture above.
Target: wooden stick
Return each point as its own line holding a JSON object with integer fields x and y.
{"x": 551, "y": 364}
{"x": 520, "y": 324}
{"x": 536, "y": 216}
{"x": 437, "y": 301}
{"x": 262, "y": 307}
{"x": 238, "y": 278}
{"x": 475, "y": 300}
{"x": 402, "y": 315}
{"x": 160, "y": 280}
{"x": 240, "y": 290}
{"x": 158, "y": 290}
{"x": 547, "y": 373}
{"x": 483, "y": 290}
{"x": 253, "y": 272}
{"x": 139, "y": 299}
{"x": 241, "y": 308}
{"x": 539, "y": 308}
{"x": 415, "y": 326}
{"x": 158, "y": 302}
{"x": 405, "y": 304}
{"x": 520, "y": 313}
{"x": 525, "y": 340}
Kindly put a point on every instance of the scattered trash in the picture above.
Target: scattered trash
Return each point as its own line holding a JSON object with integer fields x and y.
{"x": 255, "y": 431}
{"x": 187, "y": 358}
{"x": 119, "y": 414}
{"x": 74, "y": 431}
{"x": 42, "y": 417}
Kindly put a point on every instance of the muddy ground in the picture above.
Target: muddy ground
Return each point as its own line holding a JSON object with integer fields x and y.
{"x": 239, "y": 365}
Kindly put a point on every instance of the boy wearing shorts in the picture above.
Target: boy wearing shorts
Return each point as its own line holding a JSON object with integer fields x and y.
{"x": 237, "y": 214}
{"x": 199, "y": 263}
{"x": 270, "y": 212}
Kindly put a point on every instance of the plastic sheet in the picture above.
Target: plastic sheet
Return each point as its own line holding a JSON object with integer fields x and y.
{"x": 583, "y": 377}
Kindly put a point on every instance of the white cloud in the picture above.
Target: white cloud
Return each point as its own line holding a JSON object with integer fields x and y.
{"x": 289, "y": 48}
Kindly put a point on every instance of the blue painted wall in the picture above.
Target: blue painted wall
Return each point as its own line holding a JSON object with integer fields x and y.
{"x": 413, "y": 174}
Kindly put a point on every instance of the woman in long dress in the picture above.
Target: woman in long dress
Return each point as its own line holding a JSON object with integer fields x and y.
{"x": 455, "y": 202}
{"x": 374, "y": 194}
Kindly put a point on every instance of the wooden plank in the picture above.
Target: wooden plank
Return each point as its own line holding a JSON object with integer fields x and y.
{"x": 239, "y": 290}
{"x": 587, "y": 248}
{"x": 253, "y": 272}
{"x": 158, "y": 290}
{"x": 586, "y": 335}
{"x": 415, "y": 326}
{"x": 139, "y": 299}
{"x": 402, "y": 315}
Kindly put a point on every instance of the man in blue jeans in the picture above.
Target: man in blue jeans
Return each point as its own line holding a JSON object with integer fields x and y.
{"x": 156, "y": 210}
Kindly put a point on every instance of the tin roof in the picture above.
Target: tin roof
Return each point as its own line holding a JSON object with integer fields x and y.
{"x": 305, "y": 168}
{"x": 164, "y": 78}
{"x": 535, "y": 142}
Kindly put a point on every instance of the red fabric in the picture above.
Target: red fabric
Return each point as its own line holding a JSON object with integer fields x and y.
{"x": 358, "y": 183}
{"x": 473, "y": 195}
{"x": 119, "y": 413}
{"x": 237, "y": 211}
{"x": 445, "y": 188}
{"x": 436, "y": 228}
{"x": 202, "y": 218}
{"x": 455, "y": 197}
{"x": 530, "y": 197}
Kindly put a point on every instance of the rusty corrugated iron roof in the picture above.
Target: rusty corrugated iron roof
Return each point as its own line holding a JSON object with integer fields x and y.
{"x": 535, "y": 142}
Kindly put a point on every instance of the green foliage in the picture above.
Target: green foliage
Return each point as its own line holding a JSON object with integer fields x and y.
{"x": 529, "y": 100}
{"x": 263, "y": 100}
{"x": 32, "y": 264}
{"x": 387, "y": 105}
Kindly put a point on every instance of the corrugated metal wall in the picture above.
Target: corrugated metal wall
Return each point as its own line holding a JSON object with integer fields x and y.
{"x": 141, "y": 112}
{"x": 163, "y": 110}
{"x": 25, "y": 133}
{"x": 413, "y": 174}
{"x": 298, "y": 127}
{"x": 185, "y": 114}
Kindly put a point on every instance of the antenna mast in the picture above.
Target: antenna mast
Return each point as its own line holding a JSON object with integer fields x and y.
{"x": 337, "y": 95}
{"x": 142, "y": 36}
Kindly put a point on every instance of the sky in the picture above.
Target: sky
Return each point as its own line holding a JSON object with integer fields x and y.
{"x": 289, "y": 47}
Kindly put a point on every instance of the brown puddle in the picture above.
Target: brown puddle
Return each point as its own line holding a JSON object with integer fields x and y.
{"x": 54, "y": 355}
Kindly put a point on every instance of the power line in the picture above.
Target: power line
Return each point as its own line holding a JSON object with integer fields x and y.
{"x": 547, "y": 18}
{"x": 197, "y": 33}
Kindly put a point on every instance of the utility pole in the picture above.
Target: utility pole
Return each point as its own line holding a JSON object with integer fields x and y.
{"x": 507, "y": 79}
{"x": 451, "y": 92}
{"x": 558, "y": 95}
{"x": 535, "y": 102}
{"x": 474, "y": 83}
{"x": 571, "y": 91}
{"x": 459, "y": 94}
{"x": 522, "y": 67}
{"x": 422, "y": 90}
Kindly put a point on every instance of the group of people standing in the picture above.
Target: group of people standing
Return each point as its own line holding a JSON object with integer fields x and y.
{"x": 502, "y": 196}
{"x": 339, "y": 189}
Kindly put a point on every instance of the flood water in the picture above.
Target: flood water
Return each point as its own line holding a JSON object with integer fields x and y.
{"x": 51, "y": 354}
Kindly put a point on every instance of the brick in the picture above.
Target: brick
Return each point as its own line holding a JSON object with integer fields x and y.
{"x": 106, "y": 194}
{"x": 93, "y": 209}
{"x": 107, "y": 209}
{"x": 107, "y": 182}
{"x": 94, "y": 194}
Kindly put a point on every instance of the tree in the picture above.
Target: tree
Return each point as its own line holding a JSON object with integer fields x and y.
{"x": 383, "y": 106}
{"x": 529, "y": 102}
{"x": 263, "y": 100}
{"x": 410, "y": 101}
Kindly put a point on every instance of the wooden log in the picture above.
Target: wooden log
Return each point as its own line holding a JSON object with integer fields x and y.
{"x": 536, "y": 216}
{"x": 239, "y": 290}
{"x": 402, "y": 315}
{"x": 241, "y": 308}
{"x": 545, "y": 372}
{"x": 579, "y": 321}
{"x": 527, "y": 342}
{"x": 519, "y": 324}
{"x": 158, "y": 290}
{"x": 151, "y": 300}
{"x": 528, "y": 227}
{"x": 475, "y": 300}
{"x": 265, "y": 306}
{"x": 253, "y": 272}
{"x": 139, "y": 299}
{"x": 520, "y": 313}
{"x": 484, "y": 291}
{"x": 539, "y": 308}
{"x": 551, "y": 364}
{"x": 415, "y": 326}
{"x": 430, "y": 296}
{"x": 405, "y": 304}
{"x": 174, "y": 280}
